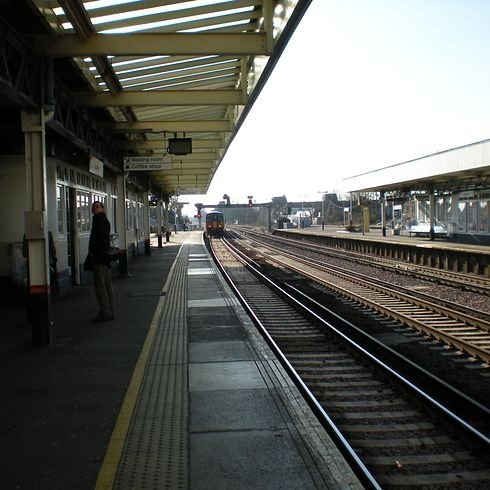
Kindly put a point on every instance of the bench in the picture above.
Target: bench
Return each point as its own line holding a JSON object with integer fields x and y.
{"x": 424, "y": 230}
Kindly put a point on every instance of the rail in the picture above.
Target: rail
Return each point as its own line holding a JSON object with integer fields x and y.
{"x": 285, "y": 339}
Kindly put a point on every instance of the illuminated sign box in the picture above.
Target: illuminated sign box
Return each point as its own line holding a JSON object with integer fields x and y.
{"x": 180, "y": 146}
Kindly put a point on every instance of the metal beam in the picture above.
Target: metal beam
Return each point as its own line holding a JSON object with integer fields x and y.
{"x": 120, "y": 8}
{"x": 170, "y": 126}
{"x": 190, "y": 182}
{"x": 156, "y": 144}
{"x": 178, "y": 165}
{"x": 81, "y": 22}
{"x": 237, "y": 206}
{"x": 167, "y": 69}
{"x": 153, "y": 44}
{"x": 21, "y": 73}
{"x": 180, "y": 173}
{"x": 74, "y": 122}
{"x": 161, "y": 98}
{"x": 203, "y": 175}
{"x": 192, "y": 157}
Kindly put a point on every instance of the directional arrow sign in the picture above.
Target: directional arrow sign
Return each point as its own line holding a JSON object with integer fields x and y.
{"x": 147, "y": 163}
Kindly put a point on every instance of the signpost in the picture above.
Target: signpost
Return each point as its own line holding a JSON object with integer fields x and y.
{"x": 147, "y": 163}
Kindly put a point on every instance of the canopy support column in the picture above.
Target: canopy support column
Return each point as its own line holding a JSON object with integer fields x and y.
{"x": 383, "y": 213}
{"x": 121, "y": 219}
{"x": 36, "y": 228}
{"x": 159, "y": 222}
{"x": 432, "y": 211}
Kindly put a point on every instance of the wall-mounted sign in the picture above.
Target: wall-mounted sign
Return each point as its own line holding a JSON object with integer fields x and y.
{"x": 147, "y": 163}
{"x": 96, "y": 166}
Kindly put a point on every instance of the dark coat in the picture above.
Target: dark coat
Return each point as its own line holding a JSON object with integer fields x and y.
{"x": 100, "y": 238}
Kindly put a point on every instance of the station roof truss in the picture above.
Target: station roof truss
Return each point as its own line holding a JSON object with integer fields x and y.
{"x": 465, "y": 168}
{"x": 121, "y": 77}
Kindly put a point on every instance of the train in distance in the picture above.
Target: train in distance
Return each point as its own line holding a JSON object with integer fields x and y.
{"x": 215, "y": 223}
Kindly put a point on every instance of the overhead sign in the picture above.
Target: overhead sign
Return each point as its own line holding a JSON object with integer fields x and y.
{"x": 147, "y": 163}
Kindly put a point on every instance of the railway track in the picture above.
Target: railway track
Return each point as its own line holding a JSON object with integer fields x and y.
{"x": 394, "y": 434}
{"x": 464, "y": 281}
{"x": 458, "y": 328}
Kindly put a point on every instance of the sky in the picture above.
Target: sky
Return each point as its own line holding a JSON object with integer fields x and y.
{"x": 361, "y": 85}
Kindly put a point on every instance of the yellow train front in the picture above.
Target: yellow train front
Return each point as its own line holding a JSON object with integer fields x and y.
{"x": 215, "y": 223}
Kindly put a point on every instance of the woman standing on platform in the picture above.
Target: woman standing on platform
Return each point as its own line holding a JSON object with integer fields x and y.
{"x": 99, "y": 243}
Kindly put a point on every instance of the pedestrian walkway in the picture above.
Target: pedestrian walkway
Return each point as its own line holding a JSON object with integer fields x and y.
{"x": 59, "y": 403}
{"x": 180, "y": 391}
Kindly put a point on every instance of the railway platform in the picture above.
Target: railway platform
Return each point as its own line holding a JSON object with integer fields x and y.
{"x": 178, "y": 392}
{"x": 440, "y": 253}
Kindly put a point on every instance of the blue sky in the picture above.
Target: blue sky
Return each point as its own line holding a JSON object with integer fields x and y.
{"x": 361, "y": 85}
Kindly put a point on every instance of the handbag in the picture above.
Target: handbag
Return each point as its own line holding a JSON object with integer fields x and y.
{"x": 112, "y": 254}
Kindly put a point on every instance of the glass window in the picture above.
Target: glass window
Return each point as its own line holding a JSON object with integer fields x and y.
{"x": 424, "y": 211}
{"x": 449, "y": 210}
{"x": 114, "y": 215}
{"x": 60, "y": 207}
{"x": 83, "y": 210}
{"x": 134, "y": 223}
{"x": 128, "y": 215}
{"x": 461, "y": 216}
{"x": 141, "y": 227}
{"x": 440, "y": 211}
{"x": 102, "y": 199}
{"x": 472, "y": 216}
{"x": 483, "y": 216}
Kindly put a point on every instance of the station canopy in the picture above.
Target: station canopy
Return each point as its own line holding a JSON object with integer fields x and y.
{"x": 171, "y": 80}
{"x": 465, "y": 168}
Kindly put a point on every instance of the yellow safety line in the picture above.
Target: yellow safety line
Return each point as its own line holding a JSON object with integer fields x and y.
{"x": 108, "y": 470}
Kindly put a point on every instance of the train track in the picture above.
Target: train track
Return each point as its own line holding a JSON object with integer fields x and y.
{"x": 464, "y": 281}
{"x": 459, "y": 329}
{"x": 394, "y": 434}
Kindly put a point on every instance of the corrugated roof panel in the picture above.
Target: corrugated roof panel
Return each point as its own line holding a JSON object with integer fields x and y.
{"x": 168, "y": 66}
